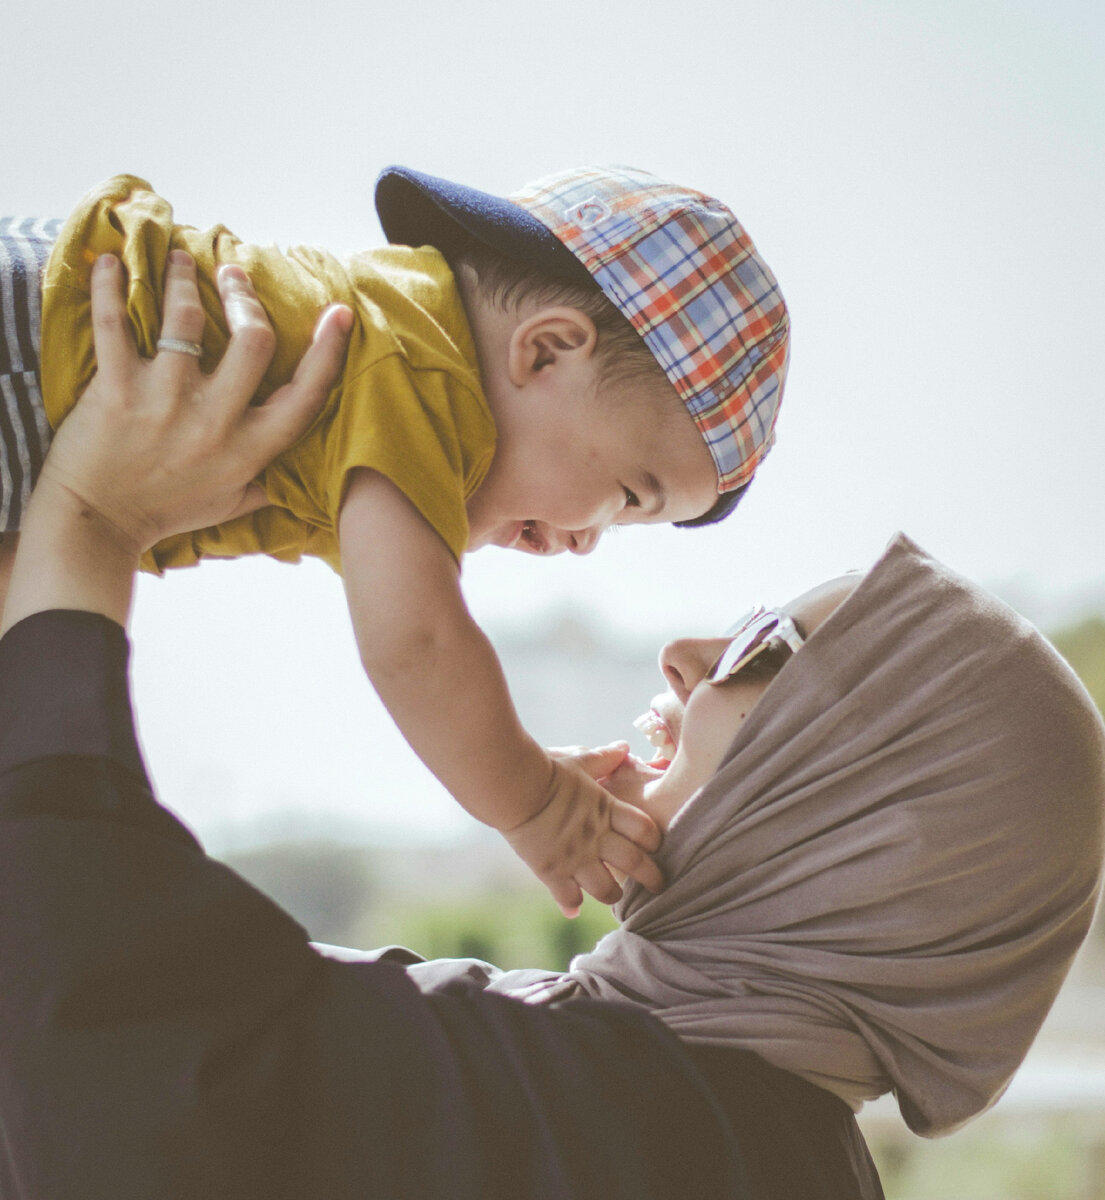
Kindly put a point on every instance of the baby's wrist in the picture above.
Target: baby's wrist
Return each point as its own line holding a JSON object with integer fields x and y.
{"x": 526, "y": 803}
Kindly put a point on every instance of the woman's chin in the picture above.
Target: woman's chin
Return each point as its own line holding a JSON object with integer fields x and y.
{"x": 651, "y": 787}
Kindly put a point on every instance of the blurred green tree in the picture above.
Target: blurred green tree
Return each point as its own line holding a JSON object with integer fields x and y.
{"x": 1083, "y": 646}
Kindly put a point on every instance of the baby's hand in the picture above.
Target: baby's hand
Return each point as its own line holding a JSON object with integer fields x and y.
{"x": 582, "y": 828}
{"x": 627, "y": 782}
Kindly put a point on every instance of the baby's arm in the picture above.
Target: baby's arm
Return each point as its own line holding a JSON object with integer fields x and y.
{"x": 438, "y": 675}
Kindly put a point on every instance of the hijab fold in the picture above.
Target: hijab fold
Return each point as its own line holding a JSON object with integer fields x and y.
{"x": 885, "y": 883}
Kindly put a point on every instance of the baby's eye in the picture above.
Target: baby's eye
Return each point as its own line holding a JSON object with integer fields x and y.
{"x": 631, "y": 499}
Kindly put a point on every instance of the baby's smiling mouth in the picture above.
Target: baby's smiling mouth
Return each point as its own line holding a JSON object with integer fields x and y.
{"x": 652, "y": 725}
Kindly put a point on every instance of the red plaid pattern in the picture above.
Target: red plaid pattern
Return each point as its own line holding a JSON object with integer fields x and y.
{"x": 685, "y": 273}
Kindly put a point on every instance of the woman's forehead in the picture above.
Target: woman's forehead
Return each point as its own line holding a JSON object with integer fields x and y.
{"x": 811, "y": 608}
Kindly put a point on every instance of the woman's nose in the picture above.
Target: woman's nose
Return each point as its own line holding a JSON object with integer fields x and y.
{"x": 686, "y": 662}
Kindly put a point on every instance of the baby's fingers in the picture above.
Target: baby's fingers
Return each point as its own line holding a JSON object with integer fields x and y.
{"x": 597, "y": 881}
{"x": 635, "y": 825}
{"x": 631, "y": 860}
{"x": 634, "y": 835}
{"x": 597, "y": 761}
{"x": 567, "y": 895}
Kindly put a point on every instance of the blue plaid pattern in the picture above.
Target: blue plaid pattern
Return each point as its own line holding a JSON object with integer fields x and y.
{"x": 24, "y": 431}
{"x": 687, "y": 276}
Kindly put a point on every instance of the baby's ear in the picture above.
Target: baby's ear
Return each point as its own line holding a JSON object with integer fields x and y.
{"x": 546, "y": 337}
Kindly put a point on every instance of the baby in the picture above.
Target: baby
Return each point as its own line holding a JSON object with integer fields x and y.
{"x": 602, "y": 348}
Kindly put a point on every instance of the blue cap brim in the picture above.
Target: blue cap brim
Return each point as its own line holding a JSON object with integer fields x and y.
{"x": 423, "y": 210}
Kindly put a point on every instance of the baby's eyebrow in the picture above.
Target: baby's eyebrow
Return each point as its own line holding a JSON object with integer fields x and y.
{"x": 659, "y": 497}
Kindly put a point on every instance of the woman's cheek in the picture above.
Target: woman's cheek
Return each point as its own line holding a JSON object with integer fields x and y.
{"x": 712, "y": 718}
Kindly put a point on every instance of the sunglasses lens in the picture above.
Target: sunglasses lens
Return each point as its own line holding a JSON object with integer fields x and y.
{"x": 721, "y": 668}
{"x": 749, "y": 639}
{"x": 732, "y": 660}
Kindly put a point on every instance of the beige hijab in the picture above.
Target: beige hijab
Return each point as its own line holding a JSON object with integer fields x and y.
{"x": 885, "y": 883}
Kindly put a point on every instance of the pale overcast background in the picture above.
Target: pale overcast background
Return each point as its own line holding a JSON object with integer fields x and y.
{"x": 927, "y": 180}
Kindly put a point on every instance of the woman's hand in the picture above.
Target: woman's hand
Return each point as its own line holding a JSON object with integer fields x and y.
{"x": 156, "y": 447}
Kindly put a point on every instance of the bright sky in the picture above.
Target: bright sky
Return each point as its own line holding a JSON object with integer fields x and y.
{"x": 926, "y": 179}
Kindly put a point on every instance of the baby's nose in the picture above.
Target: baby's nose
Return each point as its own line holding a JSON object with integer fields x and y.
{"x": 583, "y": 541}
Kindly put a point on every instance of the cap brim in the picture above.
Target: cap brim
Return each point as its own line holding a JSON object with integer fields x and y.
{"x": 423, "y": 210}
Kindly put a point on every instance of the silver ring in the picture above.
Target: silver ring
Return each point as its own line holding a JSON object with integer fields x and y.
{"x": 180, "y": 346}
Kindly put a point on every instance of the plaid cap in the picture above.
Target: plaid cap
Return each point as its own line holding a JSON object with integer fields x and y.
{"x": 676, "y": 263}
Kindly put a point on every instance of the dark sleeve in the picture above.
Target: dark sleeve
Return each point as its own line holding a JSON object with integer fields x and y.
{"x": 799, "y": 1141}
{"x": 145, "y": 989}
{"x": 166, "y": 1030}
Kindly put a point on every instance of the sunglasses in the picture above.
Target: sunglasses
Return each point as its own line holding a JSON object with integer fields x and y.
{"x": 761, "y": 629}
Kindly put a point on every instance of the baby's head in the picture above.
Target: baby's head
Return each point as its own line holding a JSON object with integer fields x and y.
{"x": 632, "y": 346}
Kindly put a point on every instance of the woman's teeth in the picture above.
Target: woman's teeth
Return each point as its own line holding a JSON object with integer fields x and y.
{"x": 651, "y": 724}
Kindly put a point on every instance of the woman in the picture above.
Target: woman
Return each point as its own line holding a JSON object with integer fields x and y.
{"x": 884, "y": 815}
{"x": 167, "y": 1031}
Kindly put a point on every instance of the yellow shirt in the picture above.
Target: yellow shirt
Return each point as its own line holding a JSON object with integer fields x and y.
{"x": 409, "y": 402}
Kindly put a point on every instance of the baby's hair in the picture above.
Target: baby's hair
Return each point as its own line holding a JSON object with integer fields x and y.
{"x": 621, "y": 355}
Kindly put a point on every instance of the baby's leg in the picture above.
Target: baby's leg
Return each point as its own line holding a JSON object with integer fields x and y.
{"x": 24, "y": 431}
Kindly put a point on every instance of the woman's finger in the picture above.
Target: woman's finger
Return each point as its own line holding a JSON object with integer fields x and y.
{"x": 253, "y": 498}
{"x": 252, "y": 341}
{"x": 111, "y": 333}
{"x": 182, "y": 317}
{"x": 287, "y": 413}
